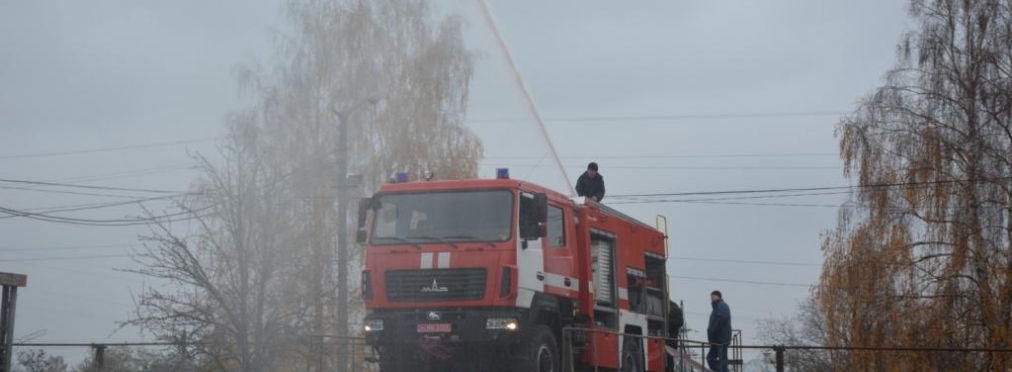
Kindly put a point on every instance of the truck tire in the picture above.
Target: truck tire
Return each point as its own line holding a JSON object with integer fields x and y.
{"x": 632, "y": 359}
{"x": 539, "y": 352}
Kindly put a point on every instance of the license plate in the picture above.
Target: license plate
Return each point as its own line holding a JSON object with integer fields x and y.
{"x": 434, "y": 328}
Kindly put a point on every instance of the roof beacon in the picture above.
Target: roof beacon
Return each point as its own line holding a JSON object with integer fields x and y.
{"x": 502, "y": 173}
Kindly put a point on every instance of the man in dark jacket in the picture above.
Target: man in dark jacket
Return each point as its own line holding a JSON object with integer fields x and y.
{"x": 591, "y": 184}
{"x": 675, "y": 322}
{"x": 718, "y": 333}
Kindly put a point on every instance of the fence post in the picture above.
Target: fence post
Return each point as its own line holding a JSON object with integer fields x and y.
{"x": 779, "y": 349}
{"x": 99, "y": 362}
{"x": 702, "y": 355}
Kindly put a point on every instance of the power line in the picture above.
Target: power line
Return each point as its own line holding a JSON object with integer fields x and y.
{"x": 648, "y": 199}
{"x": 685, "y": 167}
{"x": 93, "y": 257}
{"x": 125, "y": 174}
{"x": 66, "y": 247}
{"x": 48, "y": 217}
{"x": 696, "y": 193}
{"x": 662, "y": 118}
{"x": 686, "y": 156}
{"x": 654, "y": 201}
{"x": 836, "y": 206}
{"x": 105, "y": 223}
{"x": 110, "y": 223}
{"x": 766, "y": 204}
{"x": 5, "y": 187}
{"x": 854, "y": 187}
{"x": 92, "y": 206}
{"x": 773, "y": 263}
{"x": 743, "y": 281}
{"x": 90, "y": 187}
{"x": 107, "y": 149}
{"x": 106, "y": 176}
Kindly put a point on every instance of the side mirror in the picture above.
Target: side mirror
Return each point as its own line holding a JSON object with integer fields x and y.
{"x": 364, "y": 206}
{"x": 541, "y": 208}
{"x": 541, "y": 230}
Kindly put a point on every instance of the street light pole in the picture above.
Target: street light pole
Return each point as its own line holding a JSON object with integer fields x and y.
{"x": 343, "y": 117}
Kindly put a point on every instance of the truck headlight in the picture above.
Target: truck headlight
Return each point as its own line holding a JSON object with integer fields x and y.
{"x": 373, "y": 325}
{"x": 509, "y": 324}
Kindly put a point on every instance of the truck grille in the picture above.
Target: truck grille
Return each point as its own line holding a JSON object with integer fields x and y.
{"x": 435, "y": 285}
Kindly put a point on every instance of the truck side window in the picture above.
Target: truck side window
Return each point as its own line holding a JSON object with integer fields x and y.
{"x": 556, "y": 227}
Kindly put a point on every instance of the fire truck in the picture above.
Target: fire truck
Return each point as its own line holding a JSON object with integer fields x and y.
{"x": 503, "y": 274}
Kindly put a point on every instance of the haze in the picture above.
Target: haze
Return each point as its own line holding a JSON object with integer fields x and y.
{"x": 668, "y": 97}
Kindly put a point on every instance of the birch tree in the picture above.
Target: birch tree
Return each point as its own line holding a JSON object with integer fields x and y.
{"x": 333, "y": 55}
{"x": 339, "y": 55}
{"x": 922, "y": 256}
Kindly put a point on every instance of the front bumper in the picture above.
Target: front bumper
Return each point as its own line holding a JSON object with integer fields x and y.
{"x": 465, "y": 326}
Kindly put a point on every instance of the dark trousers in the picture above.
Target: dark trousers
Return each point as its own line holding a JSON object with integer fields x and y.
{"x": 671, "y": 359}
{"x": 717, "y": 358}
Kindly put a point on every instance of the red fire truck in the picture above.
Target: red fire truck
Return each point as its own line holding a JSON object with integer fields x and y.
{"x": 502, "y": 274}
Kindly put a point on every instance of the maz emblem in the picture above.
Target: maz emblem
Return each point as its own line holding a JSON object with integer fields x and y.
{"x": 435, "y": 288}
{"x": 435, "y": 315}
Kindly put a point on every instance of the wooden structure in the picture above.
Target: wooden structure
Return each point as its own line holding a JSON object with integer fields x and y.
{"x": 8, "y": 300}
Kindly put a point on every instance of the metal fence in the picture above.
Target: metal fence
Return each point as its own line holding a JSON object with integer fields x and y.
{"x": 683, "y": 358}
{"x": 306, "y": 355}
{"x": 318, "y": 353}
{"x": 686, "y": 358}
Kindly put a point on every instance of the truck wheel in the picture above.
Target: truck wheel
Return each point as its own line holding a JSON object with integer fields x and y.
{"x": 632, "y": 360}
{"x": 539, "y": 352}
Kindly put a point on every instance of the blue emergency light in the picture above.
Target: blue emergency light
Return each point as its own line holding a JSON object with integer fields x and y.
{"x": 502, "y": 173}
{"x": 402, "y": 177}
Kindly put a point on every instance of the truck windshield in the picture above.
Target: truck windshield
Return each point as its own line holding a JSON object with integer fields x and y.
{"x": 439, "y": 217}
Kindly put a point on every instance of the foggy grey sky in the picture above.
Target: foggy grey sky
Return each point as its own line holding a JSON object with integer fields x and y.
{"x": 77, "y": 76}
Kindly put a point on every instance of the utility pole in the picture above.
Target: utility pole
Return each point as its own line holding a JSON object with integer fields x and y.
{"x": 342, "y": 239}
{"x": 344, "y": 356}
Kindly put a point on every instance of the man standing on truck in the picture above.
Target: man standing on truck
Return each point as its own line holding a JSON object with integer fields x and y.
{"x": 718, "y": 333}
{"x": 591, "y": 184}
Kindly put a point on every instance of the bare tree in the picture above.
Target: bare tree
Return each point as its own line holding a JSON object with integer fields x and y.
{"x": 127, "y": 359}
{"x": 225, "y": 292}
{"x": 39, "y": 361}
{"x": 807, "y": 327}
{"x": 926, "y": 262}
